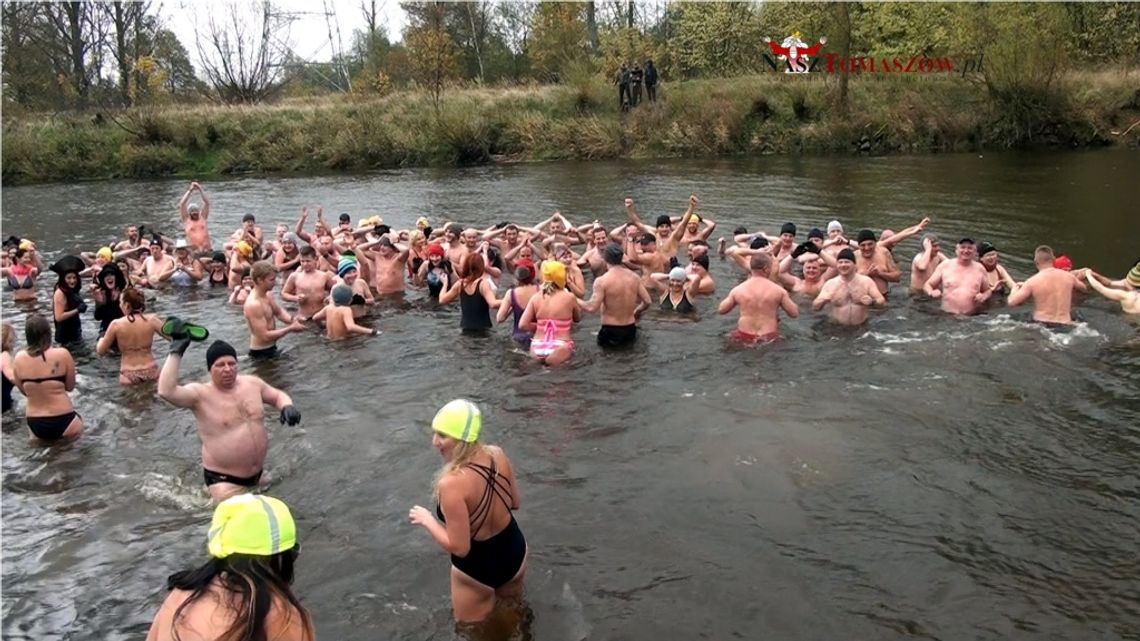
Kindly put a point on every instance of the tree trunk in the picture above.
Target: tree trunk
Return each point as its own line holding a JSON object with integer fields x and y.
{"x": 592, "y": 25}
{"x": 630, "y": 25}
{"x": 75, "y": 48}
{"x": 119, "y": 17}
{"x": 844, "y": 20}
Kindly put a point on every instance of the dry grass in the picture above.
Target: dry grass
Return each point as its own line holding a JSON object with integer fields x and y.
{"x": 768, "y": 113}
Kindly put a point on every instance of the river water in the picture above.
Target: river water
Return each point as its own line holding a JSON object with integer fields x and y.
{"x": 921, "y": 477}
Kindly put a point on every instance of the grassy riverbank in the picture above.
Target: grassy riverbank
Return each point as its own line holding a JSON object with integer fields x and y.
{"x": 771, "y": 113}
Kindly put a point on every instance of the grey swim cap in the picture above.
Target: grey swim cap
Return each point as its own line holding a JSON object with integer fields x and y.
{"x": 342, "y": 295}
{"x": 677, "y": 273}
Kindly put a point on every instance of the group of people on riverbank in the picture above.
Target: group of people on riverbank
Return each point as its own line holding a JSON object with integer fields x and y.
{"x": 629, "y": 80}
{"x": 333, "y": 275}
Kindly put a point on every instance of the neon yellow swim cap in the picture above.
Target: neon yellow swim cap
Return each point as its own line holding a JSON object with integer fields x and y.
{"x": 251, "y": 524}
{"x": 554, "y": 271}
{"x": 105, "y": 253}
{"x": 460, "y": 419}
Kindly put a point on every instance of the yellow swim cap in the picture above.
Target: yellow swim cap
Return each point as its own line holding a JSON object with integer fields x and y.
{"x": 244, "y": 248}
{"x": 104, "y": 253}
{"x": 555, "y": 272}
{"x": 25, "y": 244}
{"x": 422, "y": 221}
{"x": 694, "y": 219}
{"x": 251, "y": 524}
{"x": 460, "y": 419}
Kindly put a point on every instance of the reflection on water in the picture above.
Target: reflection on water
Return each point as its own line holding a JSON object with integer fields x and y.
{"x": 922, "y": 476}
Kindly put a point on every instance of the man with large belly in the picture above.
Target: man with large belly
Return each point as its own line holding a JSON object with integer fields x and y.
{"x": 231, "y": 419}
{"x": 960, "y": 283}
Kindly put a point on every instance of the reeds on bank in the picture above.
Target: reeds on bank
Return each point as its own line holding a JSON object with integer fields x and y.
{"x": 770, "y": 113}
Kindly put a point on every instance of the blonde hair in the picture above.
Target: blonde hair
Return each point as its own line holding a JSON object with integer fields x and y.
{"x": 416, "y": 235}
{"x": 9, "y": 337}
{"x": 464, "y": 454}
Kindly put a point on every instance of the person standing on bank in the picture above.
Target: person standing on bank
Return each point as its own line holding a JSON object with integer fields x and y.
{"x": 635, "y": 78}
{"x": 476, "y": 494}
{"x": 650, "y": 81}
{"x": 622, "y": 81}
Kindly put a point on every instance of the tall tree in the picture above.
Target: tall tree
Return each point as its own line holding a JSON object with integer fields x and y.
{"x": 558, "y": 39}
{"x": 243, "y": 53}
{"x": 432, "y": 52}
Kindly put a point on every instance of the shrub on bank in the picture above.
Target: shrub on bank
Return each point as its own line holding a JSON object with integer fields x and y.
{"x": 770, "y": 113}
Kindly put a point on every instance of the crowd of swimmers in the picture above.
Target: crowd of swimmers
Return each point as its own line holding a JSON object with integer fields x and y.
{"x": 332, "y": 278}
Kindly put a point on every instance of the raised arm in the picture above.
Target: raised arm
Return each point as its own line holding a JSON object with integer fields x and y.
{"x": 299, "y": 228}
{"x": 205, "y": 201}
{"x": 183, "y": 211}
{"x": 168, "y": 388}
{"x": 904, "y": 234}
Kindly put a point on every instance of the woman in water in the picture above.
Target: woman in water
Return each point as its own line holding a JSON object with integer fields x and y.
{"x": 475, "y": 493}
{"x": 551, "y": 314}
{"x": 9, "y": 344}
{"x": 67, "y": 305}
{"x": 218, "y": 270}
{"x": 21, "y": 275}
{"x": 134, "y": 335}
{"x": 680, "y": 286}
{"x": 108, "y": 288}
{"x": 45, "y": 375}
{"x": 417, "y": 252}
{"x": 476, "y": 295}
{"x": 519, "y": 296}
{"x": 436, "y": 271}
{"x": 244, "y": 592}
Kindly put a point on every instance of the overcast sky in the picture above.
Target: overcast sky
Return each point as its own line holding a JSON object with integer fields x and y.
{"x": 309, "y": 31}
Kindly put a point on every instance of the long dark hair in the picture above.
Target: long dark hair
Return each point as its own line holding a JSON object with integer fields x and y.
{"x": 249, "y": 584}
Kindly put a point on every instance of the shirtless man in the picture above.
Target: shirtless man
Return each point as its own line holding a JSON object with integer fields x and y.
{"x": 787, "y": 242}
{"x": 158, "y": 267}
{"x": 249, "y": 232}
{"x": 836, "y": 241}
{"x": 876, "y": 262}
{"x": 598, "y": 239}
{"x": 668, "y": 235}
{"x": 963, "y": 281}
{"x": 621, "y": 297}
{"x": 1051, "y": 290}
{"x": 388, "y": 267}
{"x": 694, "y": 232}
{"x": 133, "y": 241}
{"x": 308, "y": 286}
{"x": 288, "y": 255}
{"x": 703, "y": 284}
{"x": 338, "y": 317}
{"x": 557, "y": 229}
{"x": 849, "y": 293}
{"x": 1129, "y": 300}
{"x": 812, "y": 282}
{"x": 925, "y": 262}
{"x": 195, "y": 218}
{"x": 262, "y": 311}
{"x": 230, "y": 414}
{"x": 759, "y": 300}
{"x": 646, "y": 255}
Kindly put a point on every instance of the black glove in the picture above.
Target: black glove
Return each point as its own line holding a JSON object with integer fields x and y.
{"x": 179, "y": 345}
{"x": 798, "y": 251}
{"x": 82, "y": 307}
{"x": 427, "y": 232}
{"x": 290, "y": 415}
{"x": 810, "y": 247}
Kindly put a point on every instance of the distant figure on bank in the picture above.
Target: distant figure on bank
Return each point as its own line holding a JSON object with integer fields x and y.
{"x": 636, "y": 77}
{"x": 244, "y": 591}
{"x": 45, "y": 375}
{"x": 622, "y": 81}
{"x": 1051, "y": 290}
{"x": 650, "y": 81}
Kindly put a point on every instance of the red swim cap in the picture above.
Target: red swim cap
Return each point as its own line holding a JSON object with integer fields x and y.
{"x": 1063, "y": 262}
{"x": 435, "y": 249}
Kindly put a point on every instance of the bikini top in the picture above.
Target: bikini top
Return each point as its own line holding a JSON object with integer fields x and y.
{"x": 26, "y": 283}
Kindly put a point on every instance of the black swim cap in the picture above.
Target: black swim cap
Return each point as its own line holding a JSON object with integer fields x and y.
{"x": 758, "y": 243}
{"x": 815, "y": 232}
{"x": 664, "y": 219}
{"x": 846, "y": 254}
{"x": 788, "y": 228}
{"x": 217, "y": 350}
{"x": 865, "y": 235}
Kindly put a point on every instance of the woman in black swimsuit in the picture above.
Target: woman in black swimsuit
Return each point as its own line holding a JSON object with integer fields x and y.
{"x": 67, "y": 305}
{"x": 109, "y": 286}
{"x": 476, "y": 494}
{"x": 45, "y": 375}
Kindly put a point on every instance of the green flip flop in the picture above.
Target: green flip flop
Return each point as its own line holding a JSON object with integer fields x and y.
{"x": 175, "y": 327}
